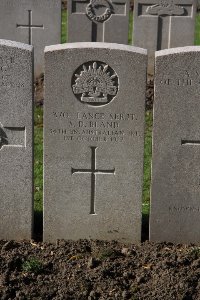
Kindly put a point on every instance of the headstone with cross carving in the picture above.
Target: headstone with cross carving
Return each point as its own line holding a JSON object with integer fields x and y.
{"x": 175, "y": 199}
{"x": 163, "y": 24}
{"x": 98, "y": 21}
{"x": 34, "y": 22}
{"x": 93, "y": 141}
{"x": 16, "y": 140}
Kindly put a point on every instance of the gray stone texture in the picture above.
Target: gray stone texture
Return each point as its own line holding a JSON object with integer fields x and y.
{"x": 93, "y": 141}
{"x": 160, "y": 26}
{"x": 34, "y": 22}
{"x": 98, "y": 21}
{"x": 16, "y": 140}
{"x": 175, "y": 203}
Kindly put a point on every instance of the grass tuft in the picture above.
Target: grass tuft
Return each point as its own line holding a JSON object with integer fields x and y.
{"x": 32, "y": 265}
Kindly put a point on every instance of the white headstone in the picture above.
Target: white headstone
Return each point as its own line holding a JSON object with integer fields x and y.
{"x": 93, "y": 141}
{"x": 163, "y": 24}
{"x": 98, "y": 21}
{"x": 175, "y": 196}
{"x": 16, "y": 140}
{"x": 34, "y": 22}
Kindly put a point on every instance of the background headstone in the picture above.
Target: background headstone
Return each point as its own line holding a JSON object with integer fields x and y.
{"x": 16, "y": 140}
{"x": 98, "y": 21}
{"x": 34, "y": 22}
{"x": 163, "y": 24}
{"x": 175, "y": 198}
{"x": 93, "y": 141}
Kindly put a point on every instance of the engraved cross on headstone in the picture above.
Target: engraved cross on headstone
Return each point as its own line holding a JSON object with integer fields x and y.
{"x": 190, "y": 142}
{"x": 98, "y": 13}
{"x": 30, "y": 27}
{"x": 165, "y": 11}
{"x": 93, "y": 171}
{"x": 12, "y": 136}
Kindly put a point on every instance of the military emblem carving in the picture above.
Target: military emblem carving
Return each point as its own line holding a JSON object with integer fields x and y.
{"x": 95, "y": 83}
{"x": 99, "y": 10}
{"x": 166, "y": 7}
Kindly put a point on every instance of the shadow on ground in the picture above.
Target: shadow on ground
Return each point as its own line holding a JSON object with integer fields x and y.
{"x": 38, "y": 226}
{"x": 145, "y": 227}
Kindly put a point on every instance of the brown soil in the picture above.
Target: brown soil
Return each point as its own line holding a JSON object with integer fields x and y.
{"x": 39, "y": 90}
{"x": 64, "y": 4}
{"x": 149, "y": 94}
{"x": 98, "y": 270}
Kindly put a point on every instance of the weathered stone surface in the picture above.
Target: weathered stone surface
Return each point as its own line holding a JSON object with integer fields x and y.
{"x": 34, "y": 22}
{"x": 16, "y": 140}
{"x": 93, "y": 141}
{"x": 98, "y": 21}
{"x": 163, "y": 24}
{"x": 175, "y": 204}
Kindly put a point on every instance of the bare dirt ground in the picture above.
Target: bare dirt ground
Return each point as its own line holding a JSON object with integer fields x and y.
{"x": 98, "y": 270}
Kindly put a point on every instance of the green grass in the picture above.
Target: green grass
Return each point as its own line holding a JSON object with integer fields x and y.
{"x": 38, "y": 161}
{"x": 197, "y": 30}
{"x": 32, "y": 265}
{"x": 147, "y": 161}
{"x": 130, "y": 32}
{"x": 64, "y": 27}
{"x": 194, "y": 252}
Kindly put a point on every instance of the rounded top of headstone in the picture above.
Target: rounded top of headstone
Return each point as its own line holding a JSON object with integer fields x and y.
{"x": 14, "y": 44}
{"x": 177, "y": 50}
{"x": 93, "y": 45}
